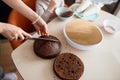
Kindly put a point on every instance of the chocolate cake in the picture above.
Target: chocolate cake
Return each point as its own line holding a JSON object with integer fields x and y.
{"x": 68, "y": 66}
{"x": 47, "y": 49}
{"x": 67, "y": 14}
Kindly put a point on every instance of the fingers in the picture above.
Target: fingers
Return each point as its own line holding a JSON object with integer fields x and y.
{"x": 41, "y": 26}
{"x": 41, "y": 30}
{"x": 20, "y": 35}
{"x": 44, "y": 31}
{"x": 38, "y": 31}
{"x": 16, "y": 36}
{"x": 13, "y": 32}
{"x": 26, "y": 35}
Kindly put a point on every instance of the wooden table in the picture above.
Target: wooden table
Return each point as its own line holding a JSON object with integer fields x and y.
{"x": 101, "y": 63}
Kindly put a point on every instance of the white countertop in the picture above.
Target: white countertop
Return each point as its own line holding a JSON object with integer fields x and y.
{"x": 101, "y": 63}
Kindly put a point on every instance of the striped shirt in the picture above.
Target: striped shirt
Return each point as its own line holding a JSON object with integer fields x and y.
{"x": 41, "y": 8}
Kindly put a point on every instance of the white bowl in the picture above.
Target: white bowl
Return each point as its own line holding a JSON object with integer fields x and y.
{"x": 62, "y": 10}
{"x": 111, "y": 26}
{"x": 88, "y": 34}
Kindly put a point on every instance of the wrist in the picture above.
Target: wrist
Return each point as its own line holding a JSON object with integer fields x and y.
{"x": 34, "y": 17}
{"x": 36, "y": 20}
{"x": 51, "y": 9}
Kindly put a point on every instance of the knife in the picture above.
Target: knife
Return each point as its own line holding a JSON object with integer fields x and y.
{"x": 42, "y": 39}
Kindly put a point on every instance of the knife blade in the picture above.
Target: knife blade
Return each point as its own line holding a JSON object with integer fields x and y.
{"x": 42, "y": 39}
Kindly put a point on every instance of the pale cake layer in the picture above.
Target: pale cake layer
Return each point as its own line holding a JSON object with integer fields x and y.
{"x": 83, "y": 32}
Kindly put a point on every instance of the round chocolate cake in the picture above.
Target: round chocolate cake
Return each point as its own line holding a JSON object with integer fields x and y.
{"x": 47, "y": 49}
{"x": 68, "y": 66}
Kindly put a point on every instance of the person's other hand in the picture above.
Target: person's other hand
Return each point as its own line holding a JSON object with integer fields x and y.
{"x": 52, "y": 5}
{"x": 13, "y": 32}
{"x": 41, "y": 27}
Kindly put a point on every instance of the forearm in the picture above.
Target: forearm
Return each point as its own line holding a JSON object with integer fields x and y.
{"x": 19, "y": 6}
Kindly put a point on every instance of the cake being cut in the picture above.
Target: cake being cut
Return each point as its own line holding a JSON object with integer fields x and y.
{"x": 47, "y": 49}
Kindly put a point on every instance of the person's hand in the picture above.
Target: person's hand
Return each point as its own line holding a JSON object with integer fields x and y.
{"x": 52, "y": 5}
{"x": 41, "y": 27}
{"x": 12, "y": 32}
{"x": 21, "y": 7}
